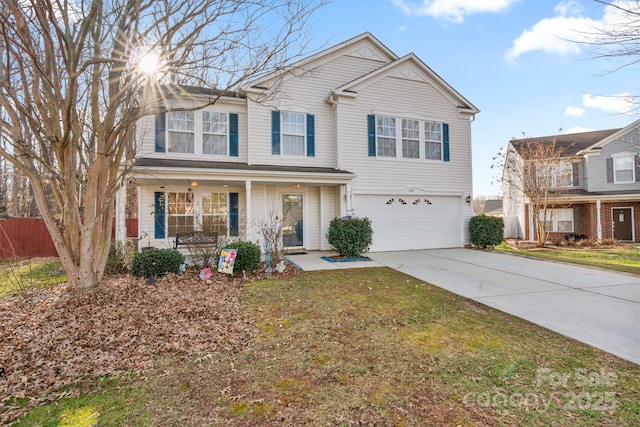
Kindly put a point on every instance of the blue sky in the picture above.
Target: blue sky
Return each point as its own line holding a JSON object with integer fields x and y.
{"x": 510, "y": 58}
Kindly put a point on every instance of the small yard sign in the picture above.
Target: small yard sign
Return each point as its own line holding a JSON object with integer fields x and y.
{"x": 227, "y": 260}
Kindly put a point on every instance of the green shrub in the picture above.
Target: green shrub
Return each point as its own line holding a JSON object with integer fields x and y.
{"x": 248, "y": 256}
{"x": 486, "y": 231}
{"x": 350, "y": 237}
{"x": 156, "y": 262}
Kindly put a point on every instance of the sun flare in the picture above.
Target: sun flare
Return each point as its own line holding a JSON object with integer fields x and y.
{"x": 150, "y": 63}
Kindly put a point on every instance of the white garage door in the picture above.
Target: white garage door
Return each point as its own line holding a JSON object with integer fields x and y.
{"x": 411, "y": 222}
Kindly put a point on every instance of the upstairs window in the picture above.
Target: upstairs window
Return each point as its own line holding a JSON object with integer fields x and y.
{"x": 624, "y": 168}
{"x": 386, "y": 136}
{"x": 215, "y": 128}
{"x": 293, "y": 134}
{"x": 410, "y": 139}
{"x": 403, "y": 138}
{"x": 433, "y": 140}
{"x": 180, "y": 132}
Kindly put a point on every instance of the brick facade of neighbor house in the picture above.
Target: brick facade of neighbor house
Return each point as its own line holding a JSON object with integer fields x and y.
{"x": 585, "y": 214}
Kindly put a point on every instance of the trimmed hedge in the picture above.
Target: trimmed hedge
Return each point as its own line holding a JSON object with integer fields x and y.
{"x": 156, "y": 262}
{"x": 486, "y": 231}
{"x": 248, "y": 256}
{"x": 350, "y": 237}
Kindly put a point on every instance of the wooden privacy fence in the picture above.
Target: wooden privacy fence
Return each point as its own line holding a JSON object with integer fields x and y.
{"x": 29, "y": 237}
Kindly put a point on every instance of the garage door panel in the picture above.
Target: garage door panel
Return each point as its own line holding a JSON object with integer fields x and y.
{"x": 402, "y": 223}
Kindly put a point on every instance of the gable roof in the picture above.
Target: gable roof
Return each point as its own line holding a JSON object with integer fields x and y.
{"x": 351, "y": 88}
{"x": 572, "y": 143}
{"x": 322, "y": 54}
{"x": 577, "y": 144}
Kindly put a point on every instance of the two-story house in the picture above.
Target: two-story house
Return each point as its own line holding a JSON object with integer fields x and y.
{"x": 352, "y": 130}
{"x": 599, "y": 197}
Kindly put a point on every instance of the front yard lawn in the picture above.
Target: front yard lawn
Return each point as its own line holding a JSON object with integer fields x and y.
{"x": 625, "y": 259}
{"x": 370, "y": 347}
{"x": 20, "y": 275}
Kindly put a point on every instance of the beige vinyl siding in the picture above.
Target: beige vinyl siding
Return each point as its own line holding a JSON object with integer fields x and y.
{"x": 145, "y": 136}
{"x": 307, "y": 95}
{"x": 400, "y": 97}
{"x": 597, "y": 168}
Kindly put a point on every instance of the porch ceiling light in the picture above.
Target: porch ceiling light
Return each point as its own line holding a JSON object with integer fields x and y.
{"x": 297, "y": 185}
{"x": 194, "y": 183}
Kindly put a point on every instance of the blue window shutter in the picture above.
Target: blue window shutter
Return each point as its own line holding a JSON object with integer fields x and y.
{"x": 158, "y": 212}
{"x": 233, "y": 214}
{"x": 610, "y": 170}
{"x": 311, "y": 135}
{"x": 233, "y": 135}
{"x": 371, "y": 131}
{"x": 445, "y": 142}
{"x": 160, "y": 132}
{"x": 275, "y": 132}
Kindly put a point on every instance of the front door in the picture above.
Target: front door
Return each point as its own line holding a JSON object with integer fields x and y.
{"x": 292, "y": 226}
{"x": 622, "y": 224}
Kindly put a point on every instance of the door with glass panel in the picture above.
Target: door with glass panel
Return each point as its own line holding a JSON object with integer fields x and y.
{"x": 292, "y": 221}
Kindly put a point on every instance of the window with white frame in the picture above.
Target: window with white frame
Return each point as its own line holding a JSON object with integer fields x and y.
{"x": 386, "y": 136}
{"x": 215, "y": 213}
{"x": 215, "y": 127}
{"x": 180, "y": 213}
{"x": 433, "y": 140}
{"x": 293, "y": 134}
{"x": 624, "y": 169}
{"x": 180, "y": 131}
{"x": 558, "y": 220}
{"x": 410, "y": 139}
{"x": 554, "y": 174}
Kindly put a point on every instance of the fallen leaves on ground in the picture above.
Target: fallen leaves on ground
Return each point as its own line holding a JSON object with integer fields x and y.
{"x": 58, "y": 337}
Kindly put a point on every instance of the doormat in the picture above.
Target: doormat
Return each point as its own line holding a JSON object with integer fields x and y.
{"x": 345, "y": 259}
{"x": 296, "y": 253}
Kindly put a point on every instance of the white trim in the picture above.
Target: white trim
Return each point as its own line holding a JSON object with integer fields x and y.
{"x": 613, "y": 220}
{"x": 599, "y": 220}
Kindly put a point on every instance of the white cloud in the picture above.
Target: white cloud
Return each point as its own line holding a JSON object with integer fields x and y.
{"x": 574, "y": 111}
{"x": 452, "y": 10}
{"x": 563, "y": 33}
{"x": 578, "y": 129}
{"x": 620, "y": 103}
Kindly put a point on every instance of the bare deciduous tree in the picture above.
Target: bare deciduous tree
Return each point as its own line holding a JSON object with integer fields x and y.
{"x": 72, "y": 89}
{"x": 536, "y": 169}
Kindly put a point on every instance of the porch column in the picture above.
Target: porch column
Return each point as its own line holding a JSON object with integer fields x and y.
{"x": 343, "y": 200}
{"x": 247, "y": 188}
{"x": 531, "y": 224}
{"x": 598, "y": 219}
{"x": 349, "y": 199}
{"x": 121, "y": 205}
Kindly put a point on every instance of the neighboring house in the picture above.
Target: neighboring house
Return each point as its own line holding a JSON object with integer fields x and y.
{"x": 493, "y": 208}
{"x": 353, "y": 130}
{"x": 600, "y": 197}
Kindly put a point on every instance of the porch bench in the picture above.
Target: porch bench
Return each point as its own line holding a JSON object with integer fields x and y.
{"x": 194, "y": 238}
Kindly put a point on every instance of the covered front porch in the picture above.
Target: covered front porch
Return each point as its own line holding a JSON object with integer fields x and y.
{"x": 179, "y": 196}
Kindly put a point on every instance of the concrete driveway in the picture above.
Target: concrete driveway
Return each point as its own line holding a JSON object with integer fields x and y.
{"x": 598, "y": 307}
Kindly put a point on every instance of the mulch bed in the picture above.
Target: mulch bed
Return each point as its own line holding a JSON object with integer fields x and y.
{"x": 58, "y": 336}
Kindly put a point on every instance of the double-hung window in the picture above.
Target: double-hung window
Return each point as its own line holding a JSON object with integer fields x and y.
{"x": 215, "y": 213}
{"x": 180, "y": 131}
{"x": 433, "y": 140}
{"x": 407, "y": 138}
{"x": 293, "y": 134}
{"x": 559, "y": 220}
{"x": 386, "y": 136}
{"x": 410, "y": 139}
{"x": 215, "y": 130}
{"x": 624, "y": 168}
{"x": 180, "y": 210}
